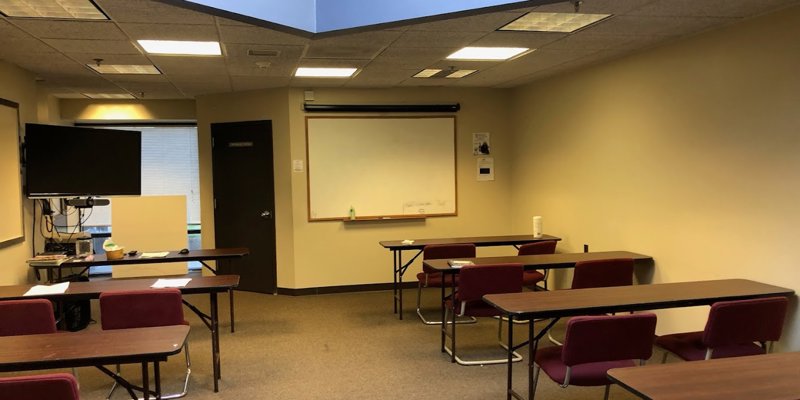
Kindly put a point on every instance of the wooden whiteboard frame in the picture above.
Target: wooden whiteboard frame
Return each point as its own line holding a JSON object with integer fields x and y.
{"x": 11, "y": 189}
{"x": 447, "y": 205}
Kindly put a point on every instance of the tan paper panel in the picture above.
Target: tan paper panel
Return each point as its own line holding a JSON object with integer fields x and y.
{"x": 149, "y": 224}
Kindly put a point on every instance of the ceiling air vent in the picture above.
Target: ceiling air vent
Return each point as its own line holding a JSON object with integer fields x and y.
{"x": 263, "y": 52}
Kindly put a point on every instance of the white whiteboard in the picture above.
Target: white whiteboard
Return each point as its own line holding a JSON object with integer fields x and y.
{"x": 11, "y": 227}
{"x": 383, "y": 167}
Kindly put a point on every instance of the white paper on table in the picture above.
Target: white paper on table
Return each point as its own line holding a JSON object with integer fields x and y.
{"x": 161, "y": 254}
{"x": 39, "y": 290}
{"x": 168, "y": 283}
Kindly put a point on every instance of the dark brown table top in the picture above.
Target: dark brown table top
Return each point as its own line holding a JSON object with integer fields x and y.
{"x": 479, "y": 241}
{"x": 173, "y": 256}
{"x": 90, "y": 347}
{"x": 565, "y": 303}
{"x": 92, "y": 289}
{"x": 558, "y": 260}
{"x": 762, "y": 377}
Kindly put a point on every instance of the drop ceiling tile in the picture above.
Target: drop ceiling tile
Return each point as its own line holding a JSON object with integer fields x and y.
{"x": 318, "y": 63}
{"x": 98, "y": 47}
{"x": 240, "y": 52}
{"x": 615, "y": 7}
{"x": 594, "y": 42}
{"x": 409, "y": 57}
{"x": 70, "y": 29}
{"x": 171, "y": 32}
{"x": 243, "y": 83}
{"x": 531, "y": 40}
{"x": 137, "y": 79}
{"x": 149, "y": 11}
{"x": 437, "y": 39}
{"x": 252, "y": 69}
{"x": 711, "y": 8}
{"x": 110, "y": 59}
{"x": 361, "y": 46}
{"x": 13, "y": 46}
{"x": 190, "y": 66}
{"x": 475, "y": 23}
{"x": 664, "y": 26}
{"x": 317, "y": 82}
{"x": 150, "y": 89}
{"x": 257, "y": 35}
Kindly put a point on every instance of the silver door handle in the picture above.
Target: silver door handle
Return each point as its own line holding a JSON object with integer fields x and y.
{"x": 266, "y": 214}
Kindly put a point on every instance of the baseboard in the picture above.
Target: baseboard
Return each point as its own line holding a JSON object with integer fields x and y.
{"x": 370, "y": 287}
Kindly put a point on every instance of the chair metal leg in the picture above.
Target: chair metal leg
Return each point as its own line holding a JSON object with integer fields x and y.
{"x": 460, "y": 361}
{"x": 114, "y": 386}
{"x": 605, "y": 396}
{"x": 664, "y": 359}
{"x": 172, "y": 395}
{"x": 535, "y": 381}
{"x": 426, "y": 321}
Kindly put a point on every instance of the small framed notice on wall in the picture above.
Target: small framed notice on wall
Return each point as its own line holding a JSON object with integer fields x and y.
{"x": 486, "y": 169}
{"x": 11, "y": 228}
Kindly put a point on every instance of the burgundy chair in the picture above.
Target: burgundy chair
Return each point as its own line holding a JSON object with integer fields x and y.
{"x": 430, "y": 278}
{"x": 26, "y": 317}
{"x": 600, "y": 273}
{"x": 530, "y": 279}
{"x": 732, "y": 330}
{"x": 474, "y": 282}
{"x": 142, "y": 309}
{"x": 38, "y": 387}
{"x": 595, "y": 344}
{"x": 603, "y": 273}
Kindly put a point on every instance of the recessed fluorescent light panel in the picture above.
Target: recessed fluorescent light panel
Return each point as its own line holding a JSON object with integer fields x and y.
{"x": 125, "y": 69}
{"x": 487, "y": 53}
{"x": 181, "y": 47}
{"x": 449, "y": 73}
{"x": 55, "y": 9}
{"x": 109, "y": 95}
{"x": 427, "y": 73}
{"x": 460, "y": 73}
{"x": 325, "y": 72}
{"x": 553, "y": 22}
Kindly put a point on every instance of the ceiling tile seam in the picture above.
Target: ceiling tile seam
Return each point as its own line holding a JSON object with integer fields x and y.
{"x": 146, "y": 56}
{"x": 225, "y": 58}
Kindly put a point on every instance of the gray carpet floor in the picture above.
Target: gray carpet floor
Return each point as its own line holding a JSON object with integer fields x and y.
{"x": 340, "y": 346}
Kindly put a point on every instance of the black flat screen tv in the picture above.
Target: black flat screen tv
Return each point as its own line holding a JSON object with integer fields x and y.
{"x": 67, "y": 161}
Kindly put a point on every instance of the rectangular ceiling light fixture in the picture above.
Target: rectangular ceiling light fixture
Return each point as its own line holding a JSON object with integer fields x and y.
{"x": 448, "y": 73}
{"x": 308, "y": 72}
{"x": 125, "y": 69}
{"x": 488, "y": 53}
{"x": 427, "y": 73}
{"x": 108, "y": 95}
{"x": 54, "y": 9}
{"x": 181, "y": 47}
{"x": 553, "y": 22}
{"x": 460, "y": 73}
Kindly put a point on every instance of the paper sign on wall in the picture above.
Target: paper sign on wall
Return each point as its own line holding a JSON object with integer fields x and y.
{"x": 480, "y": 144}
{"x": 485, "y": 169}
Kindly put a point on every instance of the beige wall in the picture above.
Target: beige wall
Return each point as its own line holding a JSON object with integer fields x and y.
{"x": 18, "y": 86}
{"x": 688, "y": 153}
{"x": 337, "y": 253}
{"x": 333, "y": 253}
{"x": 127, "y": 110}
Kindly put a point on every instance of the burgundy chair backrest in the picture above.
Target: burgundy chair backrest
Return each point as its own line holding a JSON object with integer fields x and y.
{"x": 442, "y": 251}
{"x": 745, "y": 321}
{"x": 603, "y": 273}
{"x": 141, "y": 308}
{"x": 38, "y": 387}
{"x": 477, "y": 280}
{"x": 530, "y": 249}
{"x": 609, "y": 338}
{"x": 26, "y": 317}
